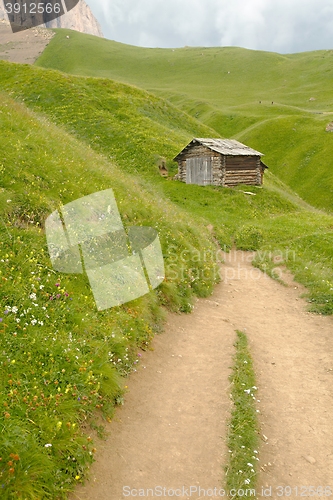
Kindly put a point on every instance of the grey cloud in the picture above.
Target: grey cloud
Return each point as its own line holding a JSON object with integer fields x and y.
{"x": 281, "y": 25}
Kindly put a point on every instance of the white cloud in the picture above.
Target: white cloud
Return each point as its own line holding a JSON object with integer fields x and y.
{"x": 273, "y": 25}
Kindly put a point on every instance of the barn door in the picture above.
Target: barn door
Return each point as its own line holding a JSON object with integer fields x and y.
{"x": 199, "y": 171}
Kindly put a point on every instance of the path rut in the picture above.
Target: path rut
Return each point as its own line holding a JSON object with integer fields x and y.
{"x": 171, "y": 431}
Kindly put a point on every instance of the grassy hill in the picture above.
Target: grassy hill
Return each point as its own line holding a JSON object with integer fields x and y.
{"x": 61, "y": 361}
{"x": 230, "y": 90}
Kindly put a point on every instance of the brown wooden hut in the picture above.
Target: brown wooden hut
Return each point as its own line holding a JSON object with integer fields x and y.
{"x": 222, "y": 162}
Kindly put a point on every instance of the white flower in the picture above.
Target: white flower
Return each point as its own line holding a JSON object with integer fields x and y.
{"x": 14, "y": 309}
{"x": 41, "y": 287}
{"x": 247, "y": 481}
{"x": 247, "y": 391}
{"x": 250, "y": 465}
{"x": 33, "y": 296}
{"x": 33, "y": 321}
{"x": 48, "y": 445}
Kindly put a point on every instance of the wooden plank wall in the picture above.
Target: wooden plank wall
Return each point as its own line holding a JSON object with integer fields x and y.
{"x": 199, "y": 151}
{"x": 242, "y": 170}
{"x": 226, "y": 170}
{"x": 199, "y": 171}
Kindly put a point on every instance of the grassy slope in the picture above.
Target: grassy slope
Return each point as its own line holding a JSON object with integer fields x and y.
{"x": 134, "y": 127}
{"x": 291, "y": 132}
{"x": 44, "y": 164}
{"x": 59, "y": 358}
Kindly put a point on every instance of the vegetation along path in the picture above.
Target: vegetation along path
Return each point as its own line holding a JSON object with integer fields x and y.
{"x": 171, "y": 430}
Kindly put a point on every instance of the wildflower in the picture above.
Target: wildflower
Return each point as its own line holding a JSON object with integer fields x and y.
{"x": 33, "y": 296}
{"x": 14, "y": 309}
{"x": 250, "y": 465}
{"x": 0, "y": 320}
{"x": 247, "y": 481}
{"x": 247, "y": 391}
{"x": 77, "y": 477}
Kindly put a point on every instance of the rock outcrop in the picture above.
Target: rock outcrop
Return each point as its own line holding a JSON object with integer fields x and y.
{"x": 79, "y": 18}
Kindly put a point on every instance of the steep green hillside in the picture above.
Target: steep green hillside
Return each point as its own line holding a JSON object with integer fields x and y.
{"x": 134, "y": 128}
{"x": 221, "y": 76}
{"x": 279, "y": 104}
{"x": 61, "y": 360}
{"x": 63, "y": 137}
{"x": 121, "y": 121}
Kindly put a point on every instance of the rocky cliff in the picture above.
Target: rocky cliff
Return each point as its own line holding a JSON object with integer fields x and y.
{"x": 79, "y": 18}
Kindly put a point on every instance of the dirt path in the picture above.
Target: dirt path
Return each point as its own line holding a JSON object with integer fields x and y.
{"x": 171, "y": 430}
{"x": 23, "y": 46}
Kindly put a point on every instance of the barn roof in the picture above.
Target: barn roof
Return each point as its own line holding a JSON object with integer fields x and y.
{"x": 228, "y": 147}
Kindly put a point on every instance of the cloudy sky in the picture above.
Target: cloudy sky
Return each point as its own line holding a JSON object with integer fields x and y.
{"x": 283, "y": 26}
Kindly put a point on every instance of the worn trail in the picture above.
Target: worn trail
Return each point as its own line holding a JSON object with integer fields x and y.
{"x": 171, "y": 431}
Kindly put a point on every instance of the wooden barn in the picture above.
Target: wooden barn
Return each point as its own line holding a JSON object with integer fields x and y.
{"x": 222, "y": 162}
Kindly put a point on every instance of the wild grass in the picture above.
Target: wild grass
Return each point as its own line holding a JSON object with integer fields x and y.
{"x": 278, "y": 104}
{"x": 64, "y": 137}
{"x": 133, "y": 128}
{"x": 243, "y": 434}
{"x": 61, "y": 360}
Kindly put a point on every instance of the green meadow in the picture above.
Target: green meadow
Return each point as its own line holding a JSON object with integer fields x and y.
{"x": 93, "y": 115}
{"x": 278, "y": 104}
